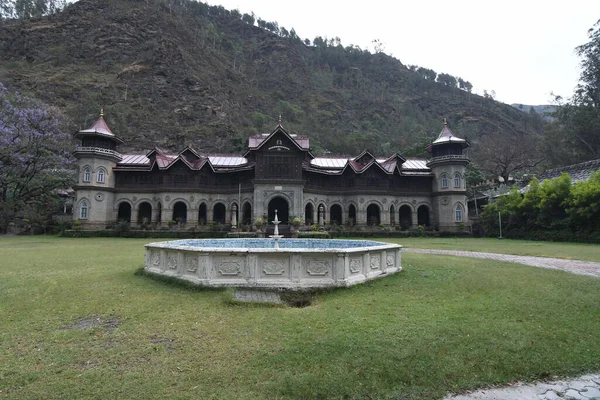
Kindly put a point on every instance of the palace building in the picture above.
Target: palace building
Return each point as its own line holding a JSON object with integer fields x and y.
{"x": 277, "y": 171}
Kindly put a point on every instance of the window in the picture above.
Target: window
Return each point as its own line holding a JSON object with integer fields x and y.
{"x": 100, "y": 176}
{"x": 83, "y": 210}
{"x": 457, "y": 180}
{"x": 444, "y": 181}
{"x": 458, "y": 213}
{"x": 87, "y": 174}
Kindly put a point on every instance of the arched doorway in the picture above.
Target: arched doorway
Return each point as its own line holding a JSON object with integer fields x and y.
{"x": 351, "y": 214}
{"x": 373, "y": 215}
{"x": 335, "y": 214}
{"x": 423, "y": 215}
{"x": 392, "y": 215}
{"x": 180, "y": 212}
{"x": 144, "y": 213}
{"x": 202, "y": 217}
{"x": 405, "y": 215}
{"x": 309, "y": 214}
{"x": 247, "y": 214}
{"x": 124, "y": 213}
{"x": 283, "y": 210}
{"x": 219, "y": 213}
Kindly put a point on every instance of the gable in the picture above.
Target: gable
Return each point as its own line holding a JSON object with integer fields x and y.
{"x": 279, "y": 141}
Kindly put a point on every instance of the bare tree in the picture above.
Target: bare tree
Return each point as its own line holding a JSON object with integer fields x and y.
{"x": 508, "y": 153}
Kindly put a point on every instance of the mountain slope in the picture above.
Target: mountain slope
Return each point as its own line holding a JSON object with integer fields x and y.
{"x": 199, "y": 75}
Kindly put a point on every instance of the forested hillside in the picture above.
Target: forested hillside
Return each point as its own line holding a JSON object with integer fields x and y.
{"x": 173, "y": 73}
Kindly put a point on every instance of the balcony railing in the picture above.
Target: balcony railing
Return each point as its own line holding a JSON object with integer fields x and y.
{"x": 451, "y": 157}
{"x": 113, "y": 153}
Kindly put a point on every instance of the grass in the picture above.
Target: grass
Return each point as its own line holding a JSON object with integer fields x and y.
{"x": 77, "y": 323}
{"x": 572, "y": 251}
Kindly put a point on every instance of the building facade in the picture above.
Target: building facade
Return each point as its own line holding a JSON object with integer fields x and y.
{"x": 277, "y": 172}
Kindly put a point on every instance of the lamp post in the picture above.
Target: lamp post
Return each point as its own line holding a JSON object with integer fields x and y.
{"x": 500, "y": 222}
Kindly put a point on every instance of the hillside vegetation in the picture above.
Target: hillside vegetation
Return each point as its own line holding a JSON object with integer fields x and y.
{"x": 179, "y": 73}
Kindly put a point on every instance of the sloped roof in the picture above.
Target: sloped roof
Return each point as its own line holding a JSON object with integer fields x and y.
{"x": 577, "y": 172}
{"x": 100, "y": 128}
{"x": 337, "y": 165}
{"x": 447, "y": 136}
{"x": 165, "y": 160}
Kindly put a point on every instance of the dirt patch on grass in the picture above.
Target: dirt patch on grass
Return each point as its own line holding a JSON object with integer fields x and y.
{"x": 169, "y": 343}
{"x": 107, "y": 324}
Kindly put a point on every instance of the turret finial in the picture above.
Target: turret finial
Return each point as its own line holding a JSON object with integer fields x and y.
{"x": 102, "y": 113}
{"x": 445, "y": 122}
{"x": 279, "y": 119}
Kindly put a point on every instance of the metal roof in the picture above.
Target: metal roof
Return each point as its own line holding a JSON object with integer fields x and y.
{"x": 324, "y": 162}
{"x": 446, "y": 136}
{"x": 134, "y": 159}
{"x": 227, "y": 161}
{"x": 412, "y": 164}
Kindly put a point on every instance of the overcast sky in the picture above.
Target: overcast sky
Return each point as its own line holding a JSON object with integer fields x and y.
{"x": 521, "y": 49}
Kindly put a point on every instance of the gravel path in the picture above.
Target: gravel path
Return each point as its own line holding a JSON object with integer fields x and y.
{"x": 585, "y": 387}
{"x": 588, "y": 268}
{"x": 582, "y": 388}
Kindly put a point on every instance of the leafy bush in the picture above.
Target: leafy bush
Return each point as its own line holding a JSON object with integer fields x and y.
{"x": 552, "y": 210}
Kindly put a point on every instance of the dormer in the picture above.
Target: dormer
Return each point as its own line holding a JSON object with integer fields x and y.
{"x": 364, "y": 158}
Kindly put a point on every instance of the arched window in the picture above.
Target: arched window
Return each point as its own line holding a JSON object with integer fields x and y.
{"x": 87, "y": 174}
{"x": 444, "y": 181}
{"x": 456, "y": 180}
{"x": 100, "y": 175}
{"x": 458, "y": 213}
{"x": 83, "y": 210}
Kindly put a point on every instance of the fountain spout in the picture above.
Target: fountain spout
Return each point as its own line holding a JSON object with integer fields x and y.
{"x": 276, "y": 236}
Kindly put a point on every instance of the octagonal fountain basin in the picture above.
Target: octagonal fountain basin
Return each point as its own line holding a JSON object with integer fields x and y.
{"x": 298, "y": 264}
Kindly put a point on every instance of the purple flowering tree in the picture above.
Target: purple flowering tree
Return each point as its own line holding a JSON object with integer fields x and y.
{"x": 35, "y": 156}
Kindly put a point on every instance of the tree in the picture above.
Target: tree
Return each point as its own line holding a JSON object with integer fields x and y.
{"x": 579, "y": 118}
{"x": 446, "y": 79}
{"x": 35, "y": 155}
{"x": 248, "y": 18}
{"x": 30, "y": 8}
{"x": 506, "y": 154}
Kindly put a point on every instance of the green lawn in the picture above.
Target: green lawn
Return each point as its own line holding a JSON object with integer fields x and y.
{"x": 573, "y": 251}
{"x": 77, "y": 323}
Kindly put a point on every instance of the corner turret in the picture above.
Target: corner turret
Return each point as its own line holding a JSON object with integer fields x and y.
{"x": 96, "y": 157}
{"x": 448, "y": 164}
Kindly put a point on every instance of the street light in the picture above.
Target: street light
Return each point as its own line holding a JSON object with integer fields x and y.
{"x": 500, "y": 222}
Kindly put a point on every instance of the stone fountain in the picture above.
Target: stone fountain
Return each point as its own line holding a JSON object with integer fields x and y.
{"x": 261, "y": 270}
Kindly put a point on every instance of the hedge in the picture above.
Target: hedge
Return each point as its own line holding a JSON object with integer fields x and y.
{"x": 144, "y": 234}
{"x": 554, "y": 235}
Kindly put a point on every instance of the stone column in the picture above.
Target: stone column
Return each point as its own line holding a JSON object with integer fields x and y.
{"x": 415, "y": 220}
{"x": 233, "y": 217}
{"x": 192, "y": 216}
{"x": 321, "y": 215}
{"x": 361, "y": 217}
{"x": 167, "y": 215}
{"x": 385, "y": 217}
{"x": 154, "y": 216}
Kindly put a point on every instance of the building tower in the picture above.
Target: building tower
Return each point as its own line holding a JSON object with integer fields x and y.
{"x": 449, "y": 192}
{"x": 96, "y": 157}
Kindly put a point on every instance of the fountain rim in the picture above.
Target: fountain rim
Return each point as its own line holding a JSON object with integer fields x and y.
{"x": 165, "y": 245}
